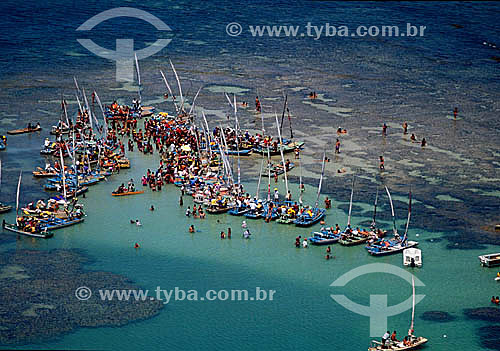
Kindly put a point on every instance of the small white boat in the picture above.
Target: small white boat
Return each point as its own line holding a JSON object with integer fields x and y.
{"x": 410, "y": 342}
{"x": 490, "y": 260}
{"x": 412, "y": 257}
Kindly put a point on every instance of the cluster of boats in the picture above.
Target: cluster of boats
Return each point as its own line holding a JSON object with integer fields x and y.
{"x": 93, "y": 158}
{"x": 375, "y": 238}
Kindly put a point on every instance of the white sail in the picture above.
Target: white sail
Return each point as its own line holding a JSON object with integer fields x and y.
{"x": 178, "y": 84}
{"x": 17, "y": 193}
{"x": 169, "y": 91}
{"x": 138, "y": 77}
{"x": 79, "y": 104}
{"x": 194, "y": 100}
{"x": 76, "y": 85}
{"x": 89, "y": 113}
{"x": 392, "y": 211}
{"x": 350, "y": 202}
{"x": 65, "y": 112}
{"x": 103, "y": 114}
{"x": 320, "y": 180}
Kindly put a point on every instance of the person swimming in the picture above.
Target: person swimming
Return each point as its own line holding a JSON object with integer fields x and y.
{"x": 246, "y": 234}
{"x": 137, "y": 223}
{"x": 244, "y": 224}
{"x": 191, "y": 228}
{"x": 152, "y": 208}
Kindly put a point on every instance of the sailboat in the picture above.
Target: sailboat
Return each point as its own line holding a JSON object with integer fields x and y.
{"x": 410, "y": 342}
{"x": 315, "y": 214}
{"x": 3, "y": 208}
{"x": 396, "y": 244}
{"x": 351, "y": 237}
{"x": 21, "y": 227}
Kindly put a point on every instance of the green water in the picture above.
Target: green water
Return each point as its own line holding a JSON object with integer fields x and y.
{"x": 301, "y": 315}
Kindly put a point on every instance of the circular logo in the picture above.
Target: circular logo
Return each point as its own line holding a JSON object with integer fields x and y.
{"x": 83, "y": 293}
{"x": 234, "y": 29}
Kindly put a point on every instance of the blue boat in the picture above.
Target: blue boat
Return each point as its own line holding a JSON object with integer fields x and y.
{"x": 239, "y": 211}
{"x": 324, "y": 237}
{"x": 58, "y": 223}
{"x": 308, "y": 219}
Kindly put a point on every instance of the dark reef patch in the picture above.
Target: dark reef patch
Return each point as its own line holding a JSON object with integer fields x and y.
{"x": 488, "y": 314}
{"x": 437, "y": 316}
{"x": 38, "y": 296}
{"x": 490, "y": 337}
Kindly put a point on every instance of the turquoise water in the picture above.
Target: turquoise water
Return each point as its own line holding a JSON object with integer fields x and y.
{"x": 301, "y": 312}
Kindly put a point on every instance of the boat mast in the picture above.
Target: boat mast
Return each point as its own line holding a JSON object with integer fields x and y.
{"x": 392, "y": 211}
{"x": 290, "y": 120}
{"x": 63, "y": 173}
{"x": 410, "y": 332}
{"x": 283, "y": 114}
{"x": 350, "y": 203}
{"x": 374, "y": 222}
{"x": 321, "y": 180}
{"x": 89, "y": 113}
{"x": 281, "y": 152}
{"x": 268, "y": 159}
{"x": 260, "y": 177}
{"x": 405, "y": 236}
{"x": 237, "y": 141}
{"x": 300, "y": 183}
{"x": 208, "y": 141}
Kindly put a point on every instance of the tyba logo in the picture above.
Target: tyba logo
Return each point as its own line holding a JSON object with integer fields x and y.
{"x": 378, "y": 311}
{"x": 124, "y": 54}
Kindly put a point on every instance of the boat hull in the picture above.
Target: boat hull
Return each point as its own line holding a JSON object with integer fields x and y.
{"x": 23, "y": 131}
{"x": 13, "y": 228}
{"x": 128, "y": 193}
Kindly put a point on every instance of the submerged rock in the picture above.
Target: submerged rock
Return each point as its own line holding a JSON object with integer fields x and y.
{"x": 488, "y": 314}
{"x": 437, "y": 316}
{"x": 490, "y": 337}
{"x": 38, "y": 297}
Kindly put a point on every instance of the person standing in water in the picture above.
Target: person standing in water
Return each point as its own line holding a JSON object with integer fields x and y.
{"x": 384, "y": 129}
{"x": 405, "y": 128}
{"x": 257, "y": 104}
{"x": 337, "y": 146}
{"x": 382, "y": 163}
{"x": 424, "y": 142}
{"x": 455, "y": 112}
